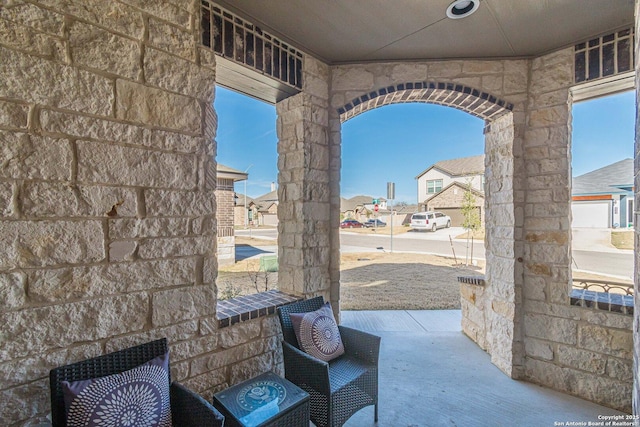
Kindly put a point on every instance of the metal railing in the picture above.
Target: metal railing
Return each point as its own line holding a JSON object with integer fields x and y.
{"x": 606, "y": 286}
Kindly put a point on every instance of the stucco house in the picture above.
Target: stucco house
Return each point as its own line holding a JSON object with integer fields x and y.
{"x": 603, "y": 198}
{"x": 442, "y": 186}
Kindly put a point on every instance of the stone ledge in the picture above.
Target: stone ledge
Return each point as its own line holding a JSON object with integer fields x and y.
{"x": 615, "y": 303}
{"x": 247, "y": 307}
{"x": 472, "y": 280}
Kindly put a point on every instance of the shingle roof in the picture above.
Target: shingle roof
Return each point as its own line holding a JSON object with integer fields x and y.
{"x": 240, "y": 199}
{"x": 354, "y": 202}
{"x": 459, "y": 167}
{"x": 611, "y": 179}
{"x": 271, "y": 196}
{"x": 224, "y": 171}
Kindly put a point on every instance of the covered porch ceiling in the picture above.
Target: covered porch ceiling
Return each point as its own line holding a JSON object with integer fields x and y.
{"x": 379, "y": 30}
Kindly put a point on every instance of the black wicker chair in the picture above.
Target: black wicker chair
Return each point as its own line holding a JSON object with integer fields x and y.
{"x": 187, "y": 408}
{"x": 343, "y": 386}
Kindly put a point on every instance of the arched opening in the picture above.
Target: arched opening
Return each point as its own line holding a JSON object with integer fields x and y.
{"x": 491, "y": 317}
{"x": 396, "y": 266}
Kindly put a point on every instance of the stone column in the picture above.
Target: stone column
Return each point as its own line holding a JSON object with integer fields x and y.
{"x": 504, "y": 254}
{"x": 304, "y": 243}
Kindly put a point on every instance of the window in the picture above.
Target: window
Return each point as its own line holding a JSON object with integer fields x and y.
{"x": 434, "y": 186}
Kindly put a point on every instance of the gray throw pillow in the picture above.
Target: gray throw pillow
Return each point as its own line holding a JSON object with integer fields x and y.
{"x": 138, "y": 397}
{"x": 318, "y": 333}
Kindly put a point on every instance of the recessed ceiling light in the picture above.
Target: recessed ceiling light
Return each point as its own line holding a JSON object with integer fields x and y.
{"x": 462, "y": 8}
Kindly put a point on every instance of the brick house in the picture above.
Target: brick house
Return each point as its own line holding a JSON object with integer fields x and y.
{"x": 225, "y": 212}
{"x": 442, "y": 186}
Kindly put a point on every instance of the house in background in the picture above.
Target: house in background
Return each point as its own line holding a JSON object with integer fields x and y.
{"x": 603, "y": 198}
{"x": 225, "y": 212}
{"x": 244, "y": 211}
{"x": 361, "y": 208}
{"x": 266, "y": 208}
{"x": 442, "y": 186}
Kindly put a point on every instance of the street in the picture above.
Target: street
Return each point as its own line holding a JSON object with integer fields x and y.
{"x": 610, "y": 263}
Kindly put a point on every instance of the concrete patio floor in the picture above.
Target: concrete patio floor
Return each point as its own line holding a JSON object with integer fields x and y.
{"x": 431, "y": 374}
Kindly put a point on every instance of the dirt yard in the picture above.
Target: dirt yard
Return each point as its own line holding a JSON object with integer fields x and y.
{"x": 369, "y": 281}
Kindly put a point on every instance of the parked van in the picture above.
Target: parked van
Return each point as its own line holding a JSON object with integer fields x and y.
{"x": 429, "y": 221}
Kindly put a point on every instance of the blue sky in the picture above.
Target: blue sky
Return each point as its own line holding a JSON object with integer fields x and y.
{"x": 397, "y": 142}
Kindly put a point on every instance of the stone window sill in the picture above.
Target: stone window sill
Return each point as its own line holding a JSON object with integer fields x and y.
{"x": 614, "y": 303}
{"x": 248, "y": 307}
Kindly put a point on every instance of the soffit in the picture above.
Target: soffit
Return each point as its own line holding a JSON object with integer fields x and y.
{"x": 348, "y": 31}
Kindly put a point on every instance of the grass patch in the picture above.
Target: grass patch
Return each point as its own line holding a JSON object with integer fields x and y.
{"x": 622, "y": 239}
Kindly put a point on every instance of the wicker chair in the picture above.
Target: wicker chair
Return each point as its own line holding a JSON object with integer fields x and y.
{"x": 187, "y": 408}
{"x": 341, "y": 387}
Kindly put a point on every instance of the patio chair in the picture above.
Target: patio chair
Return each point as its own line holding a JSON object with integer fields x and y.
{"x": 338, "y": 388}
{"x": 187, "y": 408}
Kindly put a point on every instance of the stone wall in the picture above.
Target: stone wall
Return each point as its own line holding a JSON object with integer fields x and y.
{"x": 108, "y": 231}
{"x": 522, "y": 316}
{"x": 503, "y": 227}
{"x": 304, "y": 227}
{"x": 580, "y": 351}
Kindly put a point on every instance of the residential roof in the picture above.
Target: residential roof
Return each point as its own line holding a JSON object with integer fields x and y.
{"x": 615, "y": 178}
{"x": 271, "y": 196}
{"x": 240, "y": 199}
{"x": 224, "y": 171}
{"x": 354, "y": 202}
{"x": 459, "y": 167}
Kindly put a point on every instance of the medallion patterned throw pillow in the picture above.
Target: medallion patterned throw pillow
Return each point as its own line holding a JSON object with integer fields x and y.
{"x": 135, "y": 398}
{"x": 318, "y": 333}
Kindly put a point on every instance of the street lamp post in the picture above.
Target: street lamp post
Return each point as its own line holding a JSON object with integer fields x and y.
{"x": 246, "y": 214}
{"x": 391, "y": 194}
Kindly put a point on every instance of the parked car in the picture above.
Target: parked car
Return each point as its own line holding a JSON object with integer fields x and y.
{"x": 429, "y": 221}
{"x": 351, "y": 223}
{"x": 370, "y": 223}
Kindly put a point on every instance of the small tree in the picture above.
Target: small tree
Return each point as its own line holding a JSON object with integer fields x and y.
{"x": 471, "y": 216}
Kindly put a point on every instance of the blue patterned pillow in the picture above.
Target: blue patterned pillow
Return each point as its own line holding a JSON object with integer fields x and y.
{"x": 138, "y": 397}
{"x": 318, "y": 333}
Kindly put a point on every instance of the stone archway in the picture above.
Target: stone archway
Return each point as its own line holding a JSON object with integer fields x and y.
{"x": 499, "y": 333}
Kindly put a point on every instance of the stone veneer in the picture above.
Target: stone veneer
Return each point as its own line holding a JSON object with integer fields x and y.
{"x": 108, "y": 228}
{"x": 108, "y": 224}
{"x": 523, "y": 316}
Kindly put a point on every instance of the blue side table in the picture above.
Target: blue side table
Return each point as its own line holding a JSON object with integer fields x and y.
{"x": 266, "y": 400}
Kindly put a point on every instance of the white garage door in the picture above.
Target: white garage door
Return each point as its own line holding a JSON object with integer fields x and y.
{"x": 591, "y": 214}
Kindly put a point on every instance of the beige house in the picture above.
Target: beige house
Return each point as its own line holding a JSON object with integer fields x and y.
{"x": 450, "y": 200}
{"x": 266, "y": 208}
{"x": 441, "y": 186}
{"x": 464, "y": 170}
{"x": 244, "y": 211}
{"x": 361, "y": 207}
